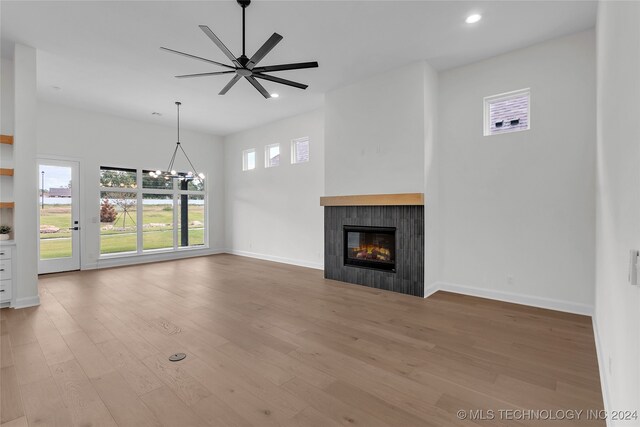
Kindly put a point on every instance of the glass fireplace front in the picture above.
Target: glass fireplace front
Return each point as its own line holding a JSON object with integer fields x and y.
{"x": 370, "y": 247}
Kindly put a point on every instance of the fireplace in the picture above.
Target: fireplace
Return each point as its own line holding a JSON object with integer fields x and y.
{"x": 397, "y": 225}
{"x": 370, "y": 247}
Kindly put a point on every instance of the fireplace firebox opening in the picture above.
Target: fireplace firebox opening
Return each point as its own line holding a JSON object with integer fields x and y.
{"x": 370, "y": 247}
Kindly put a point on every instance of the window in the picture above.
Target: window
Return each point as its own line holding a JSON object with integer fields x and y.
{"x": 191, "y": 207}
{"x": 271, "y": 155}
{"x": 118, "y": 222}
{"x": 157, "y": 183}
{"x": 300, "y": 150}
{"x": 507, "y": 112}
{"x": 118, "y": 178}
{"x": 118, "y": 210}
{"x": 140, "y": 213}
{"x": 157, "y": 221}
{"x": 249, "y": 159}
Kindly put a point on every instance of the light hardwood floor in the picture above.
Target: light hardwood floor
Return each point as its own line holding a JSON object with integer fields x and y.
{"x": 270, "y": 344}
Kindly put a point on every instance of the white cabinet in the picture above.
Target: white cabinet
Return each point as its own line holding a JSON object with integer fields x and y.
{"x": 6, "y": 273}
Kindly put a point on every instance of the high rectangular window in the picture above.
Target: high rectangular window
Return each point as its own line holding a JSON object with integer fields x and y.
{"x": 140, "y": 213}
{"x": 300, "y": 150}
{"x": 118, "y": 177}
{"x": 249, "y": 159}
{"x": 157, "y": 183}
{"x": 271, "y": 155}
{"x": 507, "y": 112}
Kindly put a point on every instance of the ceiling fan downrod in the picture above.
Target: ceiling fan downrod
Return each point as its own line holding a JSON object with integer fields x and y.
{"x": 243, "y": 4}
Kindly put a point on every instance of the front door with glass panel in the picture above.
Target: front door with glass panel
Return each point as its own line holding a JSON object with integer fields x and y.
{"x": 59, "y": 219}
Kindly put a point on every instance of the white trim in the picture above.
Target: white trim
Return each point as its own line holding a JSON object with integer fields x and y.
{"x": 267, "y": 155}
{"x": 283, "y": 260}
{"x": 59, "y": 157}
{"x": 487, "y": 100}
{"x": 604, "y": 372}
{"x": 245, "y": 159}
{"x": 144, "y": 258}
{"x": 534, "y": 301}
{"x": 294, "y": 149}
{"x": 431, "y": 289}
{"x": 175, "y": 192}
{"x": 139, "y": 213}
{"x": 73, "y": 262}
{"x": 27, "y": 302}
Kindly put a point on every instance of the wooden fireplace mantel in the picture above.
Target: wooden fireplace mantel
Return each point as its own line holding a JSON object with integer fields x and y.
{"x": 400, "y": 199}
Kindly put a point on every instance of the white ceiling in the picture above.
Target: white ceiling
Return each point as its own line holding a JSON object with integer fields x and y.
{"x": 105, "y": 54}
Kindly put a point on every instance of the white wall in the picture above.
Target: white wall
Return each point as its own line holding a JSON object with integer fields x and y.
{"x": 433, "y": 237}
{"x": 522, "y": 205}
{"x": 274, "y": 213}
{"x": 6, "y": 128}
{"x": 617, "y": 316}
{"x": 96, "y": 139}
{"x": 6, "y": 96}
{"x": 381, "y": 137}
{"x": 25, "y": 189}
{"x": 375, "y": 134}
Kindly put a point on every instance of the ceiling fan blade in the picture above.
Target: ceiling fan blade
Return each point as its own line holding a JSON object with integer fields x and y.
{"x": 264, "y": 50}
{"x": 196, "y": 57}
{"x": 215, "y": 73}
{"x": 258, "y": 86}
{"x": 229, "y": 85}
{"x": 219, "y": 43}
{"x": 283, "y": 67}
{"x": 281, "y": 81}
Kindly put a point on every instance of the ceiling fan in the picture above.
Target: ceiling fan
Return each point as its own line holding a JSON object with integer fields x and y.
{"x": 244, "y": 66}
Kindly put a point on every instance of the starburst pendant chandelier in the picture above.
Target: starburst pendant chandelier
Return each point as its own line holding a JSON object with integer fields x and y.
{"x": 171, "y": 173}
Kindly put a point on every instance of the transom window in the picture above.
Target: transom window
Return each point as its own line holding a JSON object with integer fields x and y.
{"x": 272, "y": 155}
{"x": 249, "y": 159}
{"x": 300, "y": 150}
{"x": 140, "y": 213}
{"x": 507, "y": 112}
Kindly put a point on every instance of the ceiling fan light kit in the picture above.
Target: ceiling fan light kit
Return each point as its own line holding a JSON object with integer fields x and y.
{"x": 244, "y": 66}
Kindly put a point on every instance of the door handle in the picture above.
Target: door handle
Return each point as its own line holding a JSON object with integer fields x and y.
{"x": 74, "y": 228}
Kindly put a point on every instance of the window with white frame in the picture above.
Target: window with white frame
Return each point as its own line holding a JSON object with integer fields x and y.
{"x": 300, "y": 150}
{"x": 507, "y": 112}
{"x": 140, "y": 213}
{"x": 272, "y": 155}
{"x": 249, "y": 159}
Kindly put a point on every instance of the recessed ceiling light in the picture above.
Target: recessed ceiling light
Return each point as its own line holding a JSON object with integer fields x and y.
{"x": 274, "y": 95}
{"x": 472, "y": 19}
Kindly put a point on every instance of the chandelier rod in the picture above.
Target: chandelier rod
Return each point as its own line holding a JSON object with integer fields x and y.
{"x": 243, "y": 31}
{"x": 173, "y": 158}
{"x": 195, "y": 172}
{"x": 178, "y": 103}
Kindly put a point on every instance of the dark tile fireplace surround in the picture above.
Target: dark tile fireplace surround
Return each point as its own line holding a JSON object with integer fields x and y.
{"x": 379, "y": 246}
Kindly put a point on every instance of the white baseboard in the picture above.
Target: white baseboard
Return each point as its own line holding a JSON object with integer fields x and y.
{"x": 301, "y": 263}
{"x": 120, "y": 261}
{"x": 431, "y": 289}
{"x": 27, "y": 302}
{"x": 541, "y": 302}
{"x": 603, "y": 364}
{"x": 168, "y": 256}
